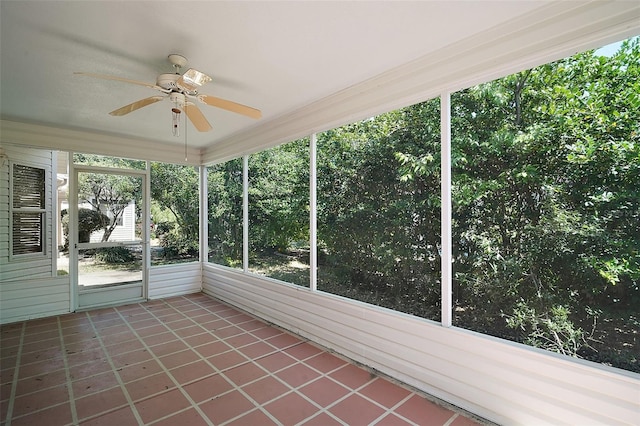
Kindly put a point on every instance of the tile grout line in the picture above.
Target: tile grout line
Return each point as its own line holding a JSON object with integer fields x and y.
{"x": 14, "y": 382}
{"x": 165, "y": 369}
{"x": 355, "y": 391}
{"x": 452, "y": 419}
{"x": 113, "y": 369}
{"x": 328, "y": 377}
{"x": 296, "y": 389}
{"x": 269, "y": 373}
{"x": 72, "y": 401}
{"x": 392, "y": 409}
{"x": 259, "y": 339}
{"x": 334, "y": 403}
{"x": 257, "y": 405}
{"x": 226, "y": 315}
{"x": 221, "y": 372}
{"x": 235, "y": 387}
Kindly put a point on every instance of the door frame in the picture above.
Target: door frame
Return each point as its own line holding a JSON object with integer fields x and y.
{"x": 74, "y": 170}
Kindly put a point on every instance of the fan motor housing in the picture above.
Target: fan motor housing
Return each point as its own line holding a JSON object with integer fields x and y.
{"x": 167, "y": 81}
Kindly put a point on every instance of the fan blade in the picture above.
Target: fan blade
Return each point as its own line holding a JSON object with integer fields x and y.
{"x": 197, "y": 117}
{"x": 136, "y": 105}
{"x": 192, "y": 80}
{"x": 112, "y": 77}
{"x": 230, "y": 106}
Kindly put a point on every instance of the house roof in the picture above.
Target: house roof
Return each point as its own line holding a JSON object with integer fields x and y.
{"x": 306, "y": 65}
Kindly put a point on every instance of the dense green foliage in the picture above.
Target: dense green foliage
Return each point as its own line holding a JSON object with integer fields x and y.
{"x": 546, "y": 199}
{"x": 379, "y": 210}
{"x": 279, "y": 197}
{"x": 174, "y": 194}
{"x": 175, "y": 188}
{"x": 546, "y": 204}
{"x": 224, "y": 184}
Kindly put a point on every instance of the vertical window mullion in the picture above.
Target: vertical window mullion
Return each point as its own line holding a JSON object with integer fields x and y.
{"x": 313, "y": 216}
{"x": 446, "y": 209}
{"x": 204, "y": 215}
{"x": 245, "y": 213}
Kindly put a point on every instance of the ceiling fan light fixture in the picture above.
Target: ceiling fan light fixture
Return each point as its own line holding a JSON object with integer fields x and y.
{"x": 192, "y": 79}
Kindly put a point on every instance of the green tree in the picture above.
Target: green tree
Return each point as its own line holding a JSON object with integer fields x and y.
{"x": 224, "y": 183}
{"x": 546, "y": 177}
{"x": 279, "y": 197}
{"x": 109, "y": 193}
{"x": 378, "y": 209}
{"x": 175, "y": 188}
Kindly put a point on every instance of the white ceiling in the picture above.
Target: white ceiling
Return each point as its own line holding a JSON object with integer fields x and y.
{"x": 275, "y": 56}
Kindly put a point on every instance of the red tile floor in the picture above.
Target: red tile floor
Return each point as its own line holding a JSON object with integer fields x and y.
{"x": 190, "y": 360}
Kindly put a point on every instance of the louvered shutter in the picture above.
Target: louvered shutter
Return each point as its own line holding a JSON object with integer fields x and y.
{"x": 28, "y": 192}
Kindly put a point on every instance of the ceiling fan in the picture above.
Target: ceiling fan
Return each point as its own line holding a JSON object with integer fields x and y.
{"x": 182, "y": 91}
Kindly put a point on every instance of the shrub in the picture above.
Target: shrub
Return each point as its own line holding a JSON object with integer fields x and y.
{"x": 88, "y": 221}
{"x": 114, "y": 255}
{"x": 177, "y": 244}
{"x": 552, "y": 329}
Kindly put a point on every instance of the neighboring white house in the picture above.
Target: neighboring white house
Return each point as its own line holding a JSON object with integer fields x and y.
{"x": 125, "y": 229}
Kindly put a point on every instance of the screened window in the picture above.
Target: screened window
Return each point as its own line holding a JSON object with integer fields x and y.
{"x": 545, "y": 195}
{"x": 27, "y": 209}
{"x": 279, "y": 212}
{"x": 379, "y": 210}
{"x": 225, "y": 213}
{"x": 174, "y": 214}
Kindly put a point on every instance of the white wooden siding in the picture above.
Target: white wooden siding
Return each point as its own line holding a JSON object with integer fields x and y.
{"x": 26, "y": 299}
{"x": 29, "y": 287}
{"x": 174, "y": 280}
{"x": 124, "y": 232}
{"x": 502, "y": 381}
{"x": 31, "y": 266}
{"x": 110, "y": 296}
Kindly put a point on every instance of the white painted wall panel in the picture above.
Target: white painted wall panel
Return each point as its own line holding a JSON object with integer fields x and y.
{"x": 36, "y": 266}
{"x": 26, "y": 299}
{"x": 29, "y": 287}
{"x": 173, "y": 280}
{"x": 502, "y": 381}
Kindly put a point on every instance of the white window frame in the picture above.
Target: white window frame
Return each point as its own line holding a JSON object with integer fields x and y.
{"x": 42, "y": 211}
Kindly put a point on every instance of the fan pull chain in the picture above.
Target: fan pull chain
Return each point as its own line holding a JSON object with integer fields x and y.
{"x": 175, "y": 129}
